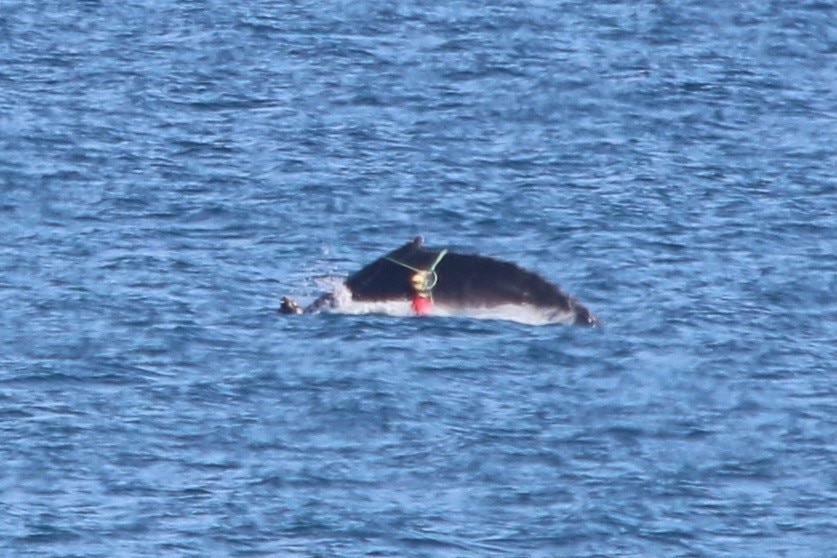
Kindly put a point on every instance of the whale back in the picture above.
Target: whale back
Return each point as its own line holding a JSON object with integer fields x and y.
{"x": 463, "y": 280}
{"x": 384, "y": 279}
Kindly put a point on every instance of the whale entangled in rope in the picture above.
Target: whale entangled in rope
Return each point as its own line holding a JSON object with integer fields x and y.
{"x": 441, "y": 282}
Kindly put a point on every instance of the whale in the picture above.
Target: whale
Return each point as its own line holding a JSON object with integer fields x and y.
{"x": 445, "y": 282}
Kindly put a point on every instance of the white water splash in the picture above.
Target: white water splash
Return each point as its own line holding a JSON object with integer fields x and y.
{"x": 520, "y": 313}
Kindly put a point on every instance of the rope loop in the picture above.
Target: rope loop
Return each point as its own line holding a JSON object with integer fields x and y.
{"x": 425, "y": 279}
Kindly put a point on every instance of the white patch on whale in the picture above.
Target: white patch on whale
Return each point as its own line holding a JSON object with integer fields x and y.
{"x": 520, "y": 313}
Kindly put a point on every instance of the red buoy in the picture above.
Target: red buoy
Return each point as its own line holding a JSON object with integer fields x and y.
{"x": 422, "y": 304}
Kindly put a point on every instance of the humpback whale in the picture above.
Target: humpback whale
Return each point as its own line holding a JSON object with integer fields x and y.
{"x": 444, "y": 283}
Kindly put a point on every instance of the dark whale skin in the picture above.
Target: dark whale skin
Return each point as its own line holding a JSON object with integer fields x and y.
{"x": 464, "y": 280}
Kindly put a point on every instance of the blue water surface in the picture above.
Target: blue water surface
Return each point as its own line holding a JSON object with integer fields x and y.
{"x": 170, "y": 169}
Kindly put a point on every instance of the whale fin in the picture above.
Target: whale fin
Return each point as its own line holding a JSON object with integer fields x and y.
{"x": 289, "y": 306}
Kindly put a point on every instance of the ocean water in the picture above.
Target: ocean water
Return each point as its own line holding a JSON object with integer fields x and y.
{"x": 170, "y": 169}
